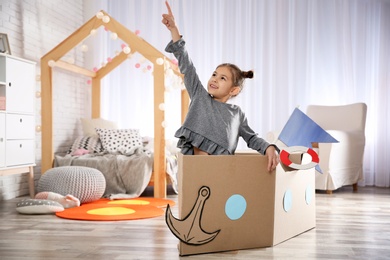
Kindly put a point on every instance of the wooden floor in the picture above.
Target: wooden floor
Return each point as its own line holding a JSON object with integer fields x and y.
{"x": 349, "y": 226}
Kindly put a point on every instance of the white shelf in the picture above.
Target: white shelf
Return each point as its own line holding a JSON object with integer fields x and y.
{"x": 17, "y": 122}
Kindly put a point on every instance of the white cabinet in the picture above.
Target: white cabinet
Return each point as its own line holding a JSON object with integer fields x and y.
{"x": 17, "y": 117}
{"x": 20, "y": 87}
{"x": 2, "y": 140}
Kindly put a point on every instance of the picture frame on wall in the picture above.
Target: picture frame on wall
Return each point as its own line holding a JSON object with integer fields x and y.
{"x": 4, "y": 44}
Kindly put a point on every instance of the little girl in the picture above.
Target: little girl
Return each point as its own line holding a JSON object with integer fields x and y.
{"x": 213, "y": 126}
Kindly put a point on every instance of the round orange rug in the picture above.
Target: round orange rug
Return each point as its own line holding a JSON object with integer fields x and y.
{"x": 111, "y": 210}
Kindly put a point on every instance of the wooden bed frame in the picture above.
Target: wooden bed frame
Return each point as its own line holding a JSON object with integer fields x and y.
{"x": 137, "y": 44}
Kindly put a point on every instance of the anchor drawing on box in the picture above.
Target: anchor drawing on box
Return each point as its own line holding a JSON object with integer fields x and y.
{"x": 189, "y": 229}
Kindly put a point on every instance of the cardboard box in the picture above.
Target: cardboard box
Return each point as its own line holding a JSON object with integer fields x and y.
{"x": 231, "y": 202}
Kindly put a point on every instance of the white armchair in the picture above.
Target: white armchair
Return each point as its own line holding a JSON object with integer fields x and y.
{"x": 341, "y": 163}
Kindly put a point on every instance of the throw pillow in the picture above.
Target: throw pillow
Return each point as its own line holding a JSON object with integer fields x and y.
{"x": 90, "y": 143}
{"x": 37, "y": 206}
{"x": 120, "y": 141}
{"x": 89, "y": 125}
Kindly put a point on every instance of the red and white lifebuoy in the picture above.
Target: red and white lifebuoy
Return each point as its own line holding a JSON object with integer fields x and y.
{"x": 285, "y": 157}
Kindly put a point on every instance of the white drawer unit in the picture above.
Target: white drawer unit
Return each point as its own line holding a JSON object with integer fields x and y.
{"x": 20, "y": 152}
{"x": 2, "y": 140}
{"x": 17, "y": 117}
{"x": 20, "y": 126}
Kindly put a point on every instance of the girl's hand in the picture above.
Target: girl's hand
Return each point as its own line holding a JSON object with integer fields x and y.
{"x": 168, "y": 19}
{"x": 273, "y": 158}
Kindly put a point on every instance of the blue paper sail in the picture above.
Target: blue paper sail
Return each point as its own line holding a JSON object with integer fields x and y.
{"x": 301, "y": 130}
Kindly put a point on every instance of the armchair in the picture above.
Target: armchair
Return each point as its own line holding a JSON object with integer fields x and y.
{"x": 341, "y": 163}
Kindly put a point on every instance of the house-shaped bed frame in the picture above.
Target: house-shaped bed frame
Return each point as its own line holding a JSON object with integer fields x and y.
{"x": 137, "y": 44}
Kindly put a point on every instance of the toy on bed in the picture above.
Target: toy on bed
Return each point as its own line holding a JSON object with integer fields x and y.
{"x": 122, "y": 155}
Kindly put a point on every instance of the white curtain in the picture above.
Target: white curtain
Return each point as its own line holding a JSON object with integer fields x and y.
{"x": 303, "y": 52}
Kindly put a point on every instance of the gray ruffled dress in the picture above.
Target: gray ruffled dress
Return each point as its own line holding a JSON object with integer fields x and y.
{"x": 210, "y": 125}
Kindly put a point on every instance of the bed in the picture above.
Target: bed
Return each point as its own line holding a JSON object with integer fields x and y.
{"x": 127, "y": 171}
{"x": 161, "y": 64}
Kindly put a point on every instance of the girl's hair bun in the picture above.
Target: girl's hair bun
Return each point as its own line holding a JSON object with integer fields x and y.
{"x": 247, "y": 74}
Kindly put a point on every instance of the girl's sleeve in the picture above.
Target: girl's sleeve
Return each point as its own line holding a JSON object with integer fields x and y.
{"x": 191, "y": 79}
{"x": 252, "y": 139}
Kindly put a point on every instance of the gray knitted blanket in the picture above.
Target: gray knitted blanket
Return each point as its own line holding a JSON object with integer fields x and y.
{"x": 126, "y": 176}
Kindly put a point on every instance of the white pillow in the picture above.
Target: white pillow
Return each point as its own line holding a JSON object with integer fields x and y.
{"x": 37, "y": 206}
{"x": 89, "y": 125}
{"x": 120, "y": 141}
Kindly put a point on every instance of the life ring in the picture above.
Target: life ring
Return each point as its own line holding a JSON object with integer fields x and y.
{"x": 285, "y": 154}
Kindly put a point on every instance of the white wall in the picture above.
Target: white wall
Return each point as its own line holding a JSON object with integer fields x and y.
{"x": 34, "y": 27}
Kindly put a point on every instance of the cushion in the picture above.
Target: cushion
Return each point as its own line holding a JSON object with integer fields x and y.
{"x": 120, "y": 141}
{"x": 85, "y": 183}
{"x": 90, "y": 143}
{"x": 38, "y": 206}
{"x": 68, "y": 201}
{"x": 80, "y": 152}
{"x": 89, "y": 125}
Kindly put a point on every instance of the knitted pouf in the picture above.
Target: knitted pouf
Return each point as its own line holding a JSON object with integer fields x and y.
{"x": 86, "y": 184}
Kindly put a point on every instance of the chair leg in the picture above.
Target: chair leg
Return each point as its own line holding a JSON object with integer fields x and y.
{"x": 355, "y": 187}
{"x": 329, "y": 192}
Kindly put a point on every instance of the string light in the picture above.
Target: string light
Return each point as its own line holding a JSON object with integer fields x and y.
{"x": 70, "y": 60}
{"x": 114, "y": 36}
{"x": 169, "y": 72}
{"x": 160, "y": 61}
{"x": 84, "y": 48}
{"x": 161, "y": 106}
{"x": 106, "y": 19}
{"x": 51, "y": 63}
{"x": 126, "y": 49}
{"x": 99, "y": 15}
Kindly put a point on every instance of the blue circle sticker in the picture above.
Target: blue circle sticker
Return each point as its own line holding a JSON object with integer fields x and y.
{"x": 235, "y": 207}
{"x": 287, "y": 200}
{"x": 308, "y": 195}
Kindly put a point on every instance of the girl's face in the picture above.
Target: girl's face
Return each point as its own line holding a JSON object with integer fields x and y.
{"x": 220, "y": 85}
